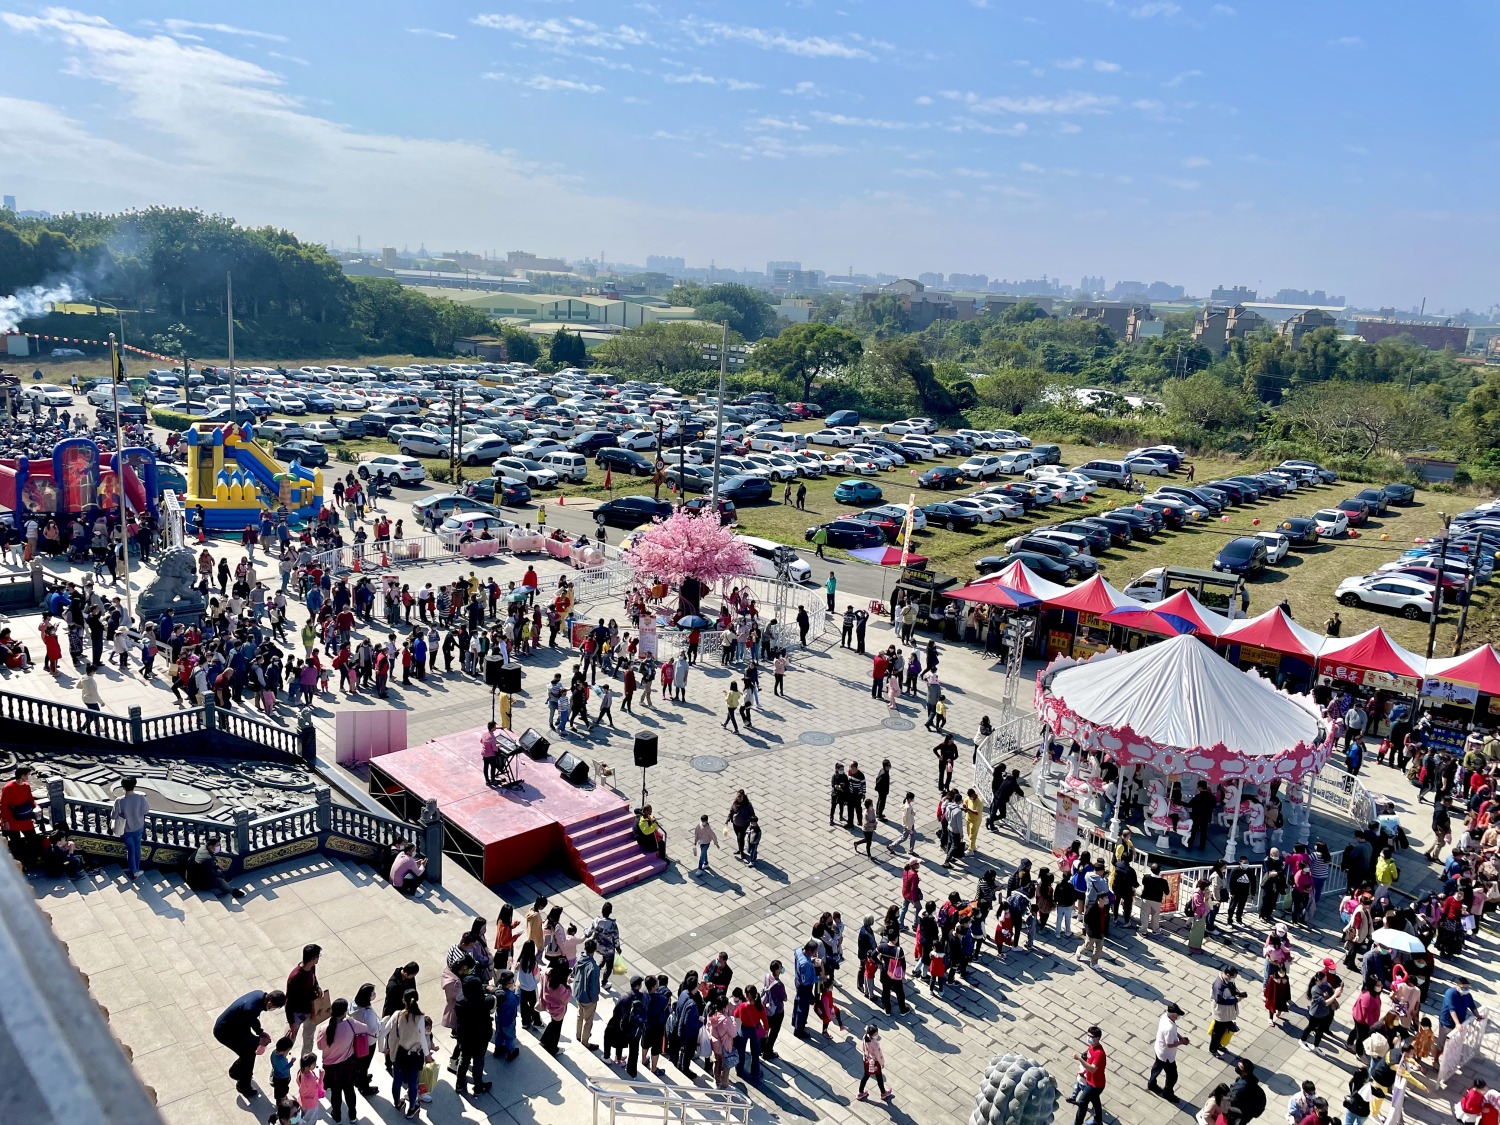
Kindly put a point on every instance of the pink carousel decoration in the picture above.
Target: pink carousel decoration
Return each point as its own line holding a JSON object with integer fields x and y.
{"x": 1181, "y": 713}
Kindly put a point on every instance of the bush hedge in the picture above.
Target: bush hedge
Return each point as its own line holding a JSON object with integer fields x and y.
{"x": 171, "y": 419}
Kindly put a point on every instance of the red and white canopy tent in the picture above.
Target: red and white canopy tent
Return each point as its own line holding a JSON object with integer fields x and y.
{"x": 1479, "y": 669}
{"x": 1276, "y": 631}
{"x": 1372, "y": 659}
{"x": 1183, "y": 604}
{"x": 1094, "y": 596}
{"x": 1019, "y": 576}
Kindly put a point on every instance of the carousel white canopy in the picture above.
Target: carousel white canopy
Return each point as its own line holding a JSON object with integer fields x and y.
{"x": 1182, "y": 694}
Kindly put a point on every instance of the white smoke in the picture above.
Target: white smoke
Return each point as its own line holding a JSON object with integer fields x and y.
{"x": 33, "y": 302}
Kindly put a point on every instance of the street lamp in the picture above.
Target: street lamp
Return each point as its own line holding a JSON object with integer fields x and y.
{"x": 725, "y": 355}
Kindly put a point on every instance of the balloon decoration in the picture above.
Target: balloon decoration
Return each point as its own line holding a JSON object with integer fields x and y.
{"x": 1255, "y": 522}
{"x": 1353, "y": 534}
{"x": 1224, "y": 519}
{"x": 100, "y": 344}
{"x": 1384, "y": 537}
{"x": 1419, "y": 540}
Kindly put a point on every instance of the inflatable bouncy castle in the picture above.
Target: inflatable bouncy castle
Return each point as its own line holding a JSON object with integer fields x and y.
{"x": 232, "y": 478}
{"x": 76, "y": 480}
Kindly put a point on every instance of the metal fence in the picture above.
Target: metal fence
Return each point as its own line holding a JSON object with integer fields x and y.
{"x": 254, "y": 842}
{"x": 628, "y": 1099}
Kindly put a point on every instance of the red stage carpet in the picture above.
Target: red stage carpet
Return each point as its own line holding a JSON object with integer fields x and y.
{"x": 505, "y": 834}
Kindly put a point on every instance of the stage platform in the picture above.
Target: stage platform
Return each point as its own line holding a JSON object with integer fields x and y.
{"x": 502, "y": 834}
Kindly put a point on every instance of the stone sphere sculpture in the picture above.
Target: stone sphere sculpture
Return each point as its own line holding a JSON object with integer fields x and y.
{"x": 1016, "y": 1091}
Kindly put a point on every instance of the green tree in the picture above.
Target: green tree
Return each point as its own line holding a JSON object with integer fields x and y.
{"x": 659, "y": 350}
{"x": 1203, "y": 399}
{"x": 901, "y": 360}
{"x": 804, "y": 353}
{"x": 566, "y": 349}
{"x": 1355, "y": 418}
{"x": 748, "y": 311}
{"x": 1013, "y": 390}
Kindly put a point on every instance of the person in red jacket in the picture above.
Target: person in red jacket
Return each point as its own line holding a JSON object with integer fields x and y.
{"x": 877, "y": 674}
{"x": 18, "y": 818}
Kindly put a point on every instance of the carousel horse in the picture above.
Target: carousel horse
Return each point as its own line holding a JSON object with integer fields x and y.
{"x": 1254, "y": 820}
{"x": 1162, "y": 816}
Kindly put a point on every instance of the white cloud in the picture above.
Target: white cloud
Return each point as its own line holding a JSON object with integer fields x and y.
{"x": 972, "y": 173}
{"x": 289, "y": 58}
{"x": 430, "y": 33}
{"x": 1350, "y": 41}
{"x": 1147, "y": 105}
{"x": 699, "y": 78}
{"x": 177, "y": 26}
{"x": 1179, "y": 79}
{"x": 1155, "y": 8}
{"x": 565, "y": 32}
{"x": 804, "y": 90}
{"x": 791, "y": 124}
{"x": 774, "y": 148}
{"x": 1180, "y": 184}
{"x": 1031, "y": 169}
{"x": 1071, "y": 64}
{"x": 813, "y": 47}
{"x": 1074, "y": 102}
{"x": 915, "y": 173}
{"x": 924, "y": 100}
{"x": 1196, "y": 162}
{"x": 1103, "y": 66}
{"x": 545, "y": 83}
{"x": 1067, "y": 128}
{"x": 1223, "y": 10}
{"x": 969, "y": 125}
{"x": 865, "y": 122}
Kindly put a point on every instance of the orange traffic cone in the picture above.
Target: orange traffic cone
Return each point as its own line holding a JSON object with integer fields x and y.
{"x": 385, "y": 560}
{"x": 356, "y": 563}
{"x": 561, "y": 500}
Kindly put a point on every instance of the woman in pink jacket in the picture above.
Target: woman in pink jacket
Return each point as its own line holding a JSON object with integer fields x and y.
{"x": 555, "y": 996}
{"x": 874, "y": 1065}
{"x": 721, "y": 1031}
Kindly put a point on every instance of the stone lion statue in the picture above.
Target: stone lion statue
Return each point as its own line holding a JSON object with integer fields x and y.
{"x": 172, "y": 588}
{"x": 1016, "y": 1091}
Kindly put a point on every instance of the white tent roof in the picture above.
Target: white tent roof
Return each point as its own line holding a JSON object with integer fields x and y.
{"x": 1181, "y": 693}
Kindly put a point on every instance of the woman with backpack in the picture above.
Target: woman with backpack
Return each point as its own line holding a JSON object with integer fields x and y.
{"x": 683, "y": 1025}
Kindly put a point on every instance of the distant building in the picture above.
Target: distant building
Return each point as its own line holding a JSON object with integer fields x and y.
{"x": 923, "y": 308}
{"x": 931, "y": 280}
{"x": 9, "y": 203}
{"x": 1304, "y": 297}
{"x": 1031, "y": 287}
{"x": 997, "y": 303}
{"x": 658, "y": 263}
{"x": 389, "y": 258}
{"x": 1125, "y": 290}
{"x": 1161, "y": 291}
{"x": 797, "y": 310}
{"x": 1142, "y": 324}
{"x": 1088, "y": 286}
{"x": 797, "y": 281}
{"x": 772, "y": 267}
{"x": 968, "y": 281}
{"x": 1215, "y": 327}
{"x": 1114, "y": 315}
{"x": 1239, "y": 295}
{"x": 1298, "y": 326}
{"x": 524, "y": 260}
{"x": 1434, "y": 336}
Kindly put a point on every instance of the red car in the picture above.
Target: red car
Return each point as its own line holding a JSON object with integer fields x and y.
{"x": 890, "y": 528}
{"x": 1356, "y": 509}
{"x": 805, "y": 409}
{"x": 1453, "y": 586}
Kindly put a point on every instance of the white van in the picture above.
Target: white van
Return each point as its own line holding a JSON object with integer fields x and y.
{"x": 570, "y": 467}
{"x": 763, "y": 556}
{"x": 773, "y": 442}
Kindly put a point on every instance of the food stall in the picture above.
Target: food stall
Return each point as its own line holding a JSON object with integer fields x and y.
{"x": 1275, "y": 645}
{"x": 1071, "y": 624}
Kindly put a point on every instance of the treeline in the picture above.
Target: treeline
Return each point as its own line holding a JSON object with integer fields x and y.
{"x": 168, "y": 265}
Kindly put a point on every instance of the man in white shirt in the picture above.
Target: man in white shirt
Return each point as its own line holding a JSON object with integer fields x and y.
{"x": 1168, "y": 1039}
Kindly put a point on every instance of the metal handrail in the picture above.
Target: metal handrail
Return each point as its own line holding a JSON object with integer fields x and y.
{"x": 636, "y": 1100}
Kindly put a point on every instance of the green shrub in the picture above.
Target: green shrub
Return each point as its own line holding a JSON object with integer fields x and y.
{"x": 171, "y": 419}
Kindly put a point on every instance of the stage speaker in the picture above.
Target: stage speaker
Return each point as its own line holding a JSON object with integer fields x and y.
{"x": 510, "y": 678}
{"x": 534, "y": 745}
{"x": 493, "y": 671}
{"x": 571, "y": 768}
{"x": 645, "y": 750}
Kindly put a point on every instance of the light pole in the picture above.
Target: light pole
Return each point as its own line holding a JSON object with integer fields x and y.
{"x": 1437, "y": 587}
{"x": 726, "y": 355}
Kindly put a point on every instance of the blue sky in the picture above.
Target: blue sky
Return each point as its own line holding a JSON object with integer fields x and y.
{"x": 1337, "y": 145}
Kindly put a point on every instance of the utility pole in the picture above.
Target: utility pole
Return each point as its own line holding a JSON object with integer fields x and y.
{"x": 1437, "y": 588}
{"x": 116, "y": 377}
{"x": 1463, "y": 614}
{"x": 455, "y": 443}
{"x": 726, "y": 355}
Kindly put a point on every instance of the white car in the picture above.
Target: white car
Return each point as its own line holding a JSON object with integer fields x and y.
{"x": 982, "y": 466}
{"x": 769, "y": 464}
{"x": 767, "y": 559}
{"x": 104, "y": 395}
{"x": 1412, "y": 599}
{"x": 852, "y": 463}
{"x": 881, "y": 458}
{"x": 980, "y": 506}
{"x": 839, "y": 437}
{"x": 900, "y": 429}
{"x": 1010, "y": 439}
{"x": 538, "y": 446}
{"x": 1189, "y": 510}
{"x": 980, "y": 439}
{"x": 1332, "y": 523}
{"x": 1146, "y": 467}
{"x": 484, "y": 450}
{"x": 898, "y": 512}
{"x": 278, "y": 429}
{"x": 1014, "y": 462}
{"x": 522, "y": 468}
{"x": 922, "y": 425}
{"x": 739, "y": 466}
{"x": 321, "y": 430}
{"x": 407, "y": 470}
{"x": 49, "y": 396}
{"x": 1063, "y": 491}
{"x": 1277, "y": 545}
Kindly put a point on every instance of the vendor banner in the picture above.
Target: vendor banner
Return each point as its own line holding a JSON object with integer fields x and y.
{"x": 580, "y": 633}
{"x": 1260, "y": 657}
{"x": 647, "y": 645}
{"x": 1442, "y": 691}
{"x": 1367, "y": 677}
{"x": 1065, "y": 828}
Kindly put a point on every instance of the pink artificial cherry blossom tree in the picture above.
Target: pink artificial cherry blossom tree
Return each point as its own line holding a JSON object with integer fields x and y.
{"x": 691, "y": 552}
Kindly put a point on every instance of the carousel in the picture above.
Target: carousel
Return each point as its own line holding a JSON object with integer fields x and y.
{"x": 1149, "y": 725}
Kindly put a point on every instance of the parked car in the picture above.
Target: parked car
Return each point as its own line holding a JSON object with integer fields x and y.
{"x": 1144, "y": 522}
{"x": 836, "y": 438}
{"x": 1046, "y": 454}
{"x": 769, "y": 559}
{"x": 534, "y": 473}
{"x": 745, "y": 490}
{"x": 1412, "y": 599}
{"x": 484, "y": 450}
{"x": 942, "y": 477}
{"x": 728, "y": 513}
{"x": 1400, "y": 494}
{"x": 1355, "y": 509}
{"x": 1455, "y": 584}
{"x": 310, "y": 453}
{"x": 1301, "y": 531}
{"x": 1318, "y": 473}
{"x": 1237, "y": 492}
{"x": 897, "y": 512}
{"x": 857, "y": 492}
{"x": 1244, "y": 554}
{"x": 1079, "y": 562}
{"x": 631, "y": 512}
{"x": 591, "y": 441}
{"x": 1015, "y": 461}
{"x": 421, "y": 443}
{"x": 1099, "y": 539}
{"x": 1375, "y": 499}
{"x": 690, "y": 478}
{"x": 623, "y": 461}
{"x": 981, "y": 466}
{"x": 1277, "y": 545}
{"x": 842, "y": 418}
{"x": 1105, "y": 471}
{"x": 1147, "y": 467}
{"x": 1333, "y": 523}
{"x": 1043, "y": 566}
{"x": 849, "y": 534}
{"x": 950, "y": 517}
{"x": 452, "y": 504}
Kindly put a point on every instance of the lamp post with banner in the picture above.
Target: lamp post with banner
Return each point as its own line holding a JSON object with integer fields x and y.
{"x": 725, "y": 354}
{"x": 117, "y": 380}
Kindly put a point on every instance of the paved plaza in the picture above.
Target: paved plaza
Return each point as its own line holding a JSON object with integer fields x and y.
{"x": 165, "y": 961}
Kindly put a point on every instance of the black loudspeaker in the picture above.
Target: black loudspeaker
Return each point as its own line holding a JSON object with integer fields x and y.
{"x": 533, "y": 744}
{"x": 645, "y": 750}
{"x": 510, "y": 678}
{"x": 571, "y": 768}
{"x": 493, "y": 671}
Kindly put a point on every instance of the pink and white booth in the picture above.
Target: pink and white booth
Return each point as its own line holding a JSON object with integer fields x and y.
{"x": 1175, "y": 712}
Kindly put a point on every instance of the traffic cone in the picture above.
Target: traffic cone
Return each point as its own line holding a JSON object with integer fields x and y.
{"x": 356, "y": 563}
{"x": 385, "y": 560}
{"x": 561, "y": 500}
